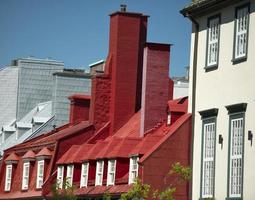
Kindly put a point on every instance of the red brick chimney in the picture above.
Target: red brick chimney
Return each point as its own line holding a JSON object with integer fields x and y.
{"x": 79, "y": 108}
{"x": 156, "y": 85}
{"x": 127, "y": 39}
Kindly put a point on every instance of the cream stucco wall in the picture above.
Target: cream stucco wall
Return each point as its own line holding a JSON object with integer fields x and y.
{"x": 228, "y": 84}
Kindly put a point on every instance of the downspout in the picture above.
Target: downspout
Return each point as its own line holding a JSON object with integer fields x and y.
{"x": 194, "y": 83}
{"x": 194, "y": 86}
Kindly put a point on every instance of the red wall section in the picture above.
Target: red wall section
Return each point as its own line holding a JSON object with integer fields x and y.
{"x": 100, "y": 101}
{"x": 77, "y": 175}
{"x": 92, "y": 172}
{"x": 127, "y": 37}
{"x": 175, "y": 149}
{"x": 171, "y": 89}
{"x": 79, "y": 109}
{"x": 155, "y": 93}
{"x": 122, "y": 167}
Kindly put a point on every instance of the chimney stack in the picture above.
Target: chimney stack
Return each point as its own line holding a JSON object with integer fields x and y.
{"x": 79, "y": 108}
{"x": 124, "y": 65}
{"x": 123, "y": 8}
{"x": 156, "y": 82}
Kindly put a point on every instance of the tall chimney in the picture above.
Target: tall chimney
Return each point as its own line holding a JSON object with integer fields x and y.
{"x": 127, "y": 39}
{"x": 155, "y": 90}
{"x": 79, "y": 108}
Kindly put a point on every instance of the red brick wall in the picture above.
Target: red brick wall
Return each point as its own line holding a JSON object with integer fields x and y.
{"x": 127, "y": 37}
{"x": 155, "y": 92}
{"x": 175, "y": 149}
{"x": 100, "y": 101}
{"x": 79, "y": 110}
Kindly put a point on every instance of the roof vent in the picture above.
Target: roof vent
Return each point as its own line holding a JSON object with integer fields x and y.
{"x": 123, "y": 8}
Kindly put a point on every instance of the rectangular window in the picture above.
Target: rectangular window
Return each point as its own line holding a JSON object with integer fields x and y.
{"x": 111, "y": 172}
{"x": 213, "y": 35}
{"x": 69, "y": 176}
{"x": 236, "y": 156}
{"x": 60, "y": 177}
{"x": 40, "y": 174}
{"x": 99, "y": 172}
{"x": 8, "y": 178}
{"x": 84, "y": 174}
{"x": 133, "y": 169}
{"x": 241, "y": 32}
{"x": 25, "y": 179}
{"x": 208, "y": 157}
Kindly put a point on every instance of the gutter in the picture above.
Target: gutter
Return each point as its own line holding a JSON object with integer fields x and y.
{"x": 194, "y": 83}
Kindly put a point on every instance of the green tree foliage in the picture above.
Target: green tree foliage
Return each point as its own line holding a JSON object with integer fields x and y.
{"x": 107, "y": 196}
{"x": 138, "y": 191}
{"x": 63, "y": 194}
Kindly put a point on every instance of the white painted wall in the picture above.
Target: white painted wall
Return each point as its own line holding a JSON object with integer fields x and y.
{"x": 229, "y": 84}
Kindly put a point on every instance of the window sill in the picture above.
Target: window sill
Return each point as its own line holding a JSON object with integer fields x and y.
{"x": 239, "y": 60}
{"x": 210, "y": 68}
{"x": 234, "y": 198}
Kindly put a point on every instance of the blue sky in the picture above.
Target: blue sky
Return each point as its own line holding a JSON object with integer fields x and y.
{"x": 77, "y": 31}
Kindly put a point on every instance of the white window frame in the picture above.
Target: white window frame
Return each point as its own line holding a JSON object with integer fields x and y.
{"x": 208, "y": 158}
{"x": 84, "y": 174}
{"x": 8, "y": 178}
{"x": 133, "y": 169}
{"x": 60, "y": 177}
{"x": 241, "y": 32}
{"x": 236, "y": 157}
{"x": 25, "y": 177}
{"x": 69, "y": 175}
{"x": 40, "y": 174}
{"x": 99, "y": 172}
{"x": 111, "y": 171}
{"x": 213, "y": 36}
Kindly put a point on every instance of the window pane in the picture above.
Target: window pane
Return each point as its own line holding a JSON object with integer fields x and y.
{"x": 208, "y": 160}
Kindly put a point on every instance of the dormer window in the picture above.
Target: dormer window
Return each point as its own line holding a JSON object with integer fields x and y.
{"x": 11, "y": 160}
{"x": 8, "y": 177}
{"x": 60, "y": 177}
{"x": 40, "y": 174}
{"x": 99, "y": 172}
{"x": 84, "y": 174}
{"x": 133, "y": 169}
{"x": 25, "y": 178}
{"x": 69, "y": 176}
{"x": 111, "y": 172}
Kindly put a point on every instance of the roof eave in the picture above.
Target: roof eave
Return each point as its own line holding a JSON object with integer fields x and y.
{"x": 199, "y": 9}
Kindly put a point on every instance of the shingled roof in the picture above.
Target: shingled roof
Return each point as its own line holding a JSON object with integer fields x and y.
{"x": 202, "y": 6}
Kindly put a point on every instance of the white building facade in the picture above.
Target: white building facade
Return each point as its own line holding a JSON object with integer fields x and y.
{"x": 222, "y": 98}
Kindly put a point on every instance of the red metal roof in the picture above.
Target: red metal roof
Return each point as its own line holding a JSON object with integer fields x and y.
{"x": 44, "y": 152}
{"x": 29, "y": 155}
{"x": 21, "y": 194}
{"x": 12, "y": 157}
{"x": 171, "y": 131}
{"x": 52, "y": 138}
{"x": 68, "y": 157}
{"x": 178, "y": 105}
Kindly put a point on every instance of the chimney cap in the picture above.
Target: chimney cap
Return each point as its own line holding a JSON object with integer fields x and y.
{"x": 123, "y": 7}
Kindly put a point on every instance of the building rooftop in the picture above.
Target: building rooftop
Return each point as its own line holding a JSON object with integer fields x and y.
{"x": 197, "y": 7}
